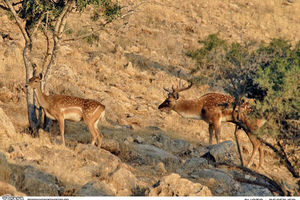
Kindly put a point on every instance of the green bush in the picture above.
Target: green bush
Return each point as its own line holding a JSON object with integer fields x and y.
{"x": 269, "y": 73}
{"x": 279, "y": 75}
{"x": 34, "y": 10}
{"x": 228, "y": 66}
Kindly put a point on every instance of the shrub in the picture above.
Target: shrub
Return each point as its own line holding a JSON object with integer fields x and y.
{"x": 269, "y": 73}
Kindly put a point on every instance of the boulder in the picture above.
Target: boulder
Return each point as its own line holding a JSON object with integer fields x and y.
{"x": 34, "y": 182}
{"x": 193, "y": 164}
{"x": 223, "y": 183}
{"x": 225, "y": 152}
{"x": 174, "y": 185}
{"x": 123, "y": 181}
{"x": 106, "y": 161}
{"x": 95, "y": 188}
{"x": 7, "y": 189}
{"x": 176, "y": 147}
{"x": 252, "y": 190}
{"x": 153, "y": 155}
{"x": 220, "y": 182}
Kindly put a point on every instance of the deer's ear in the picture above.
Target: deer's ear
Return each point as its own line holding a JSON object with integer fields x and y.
{"x": 176, "y": 96}
{"x": 40, "y": 75}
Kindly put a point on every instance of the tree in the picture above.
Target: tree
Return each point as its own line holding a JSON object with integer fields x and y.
{"x": 279, "y": 75}
{"x": 48, "y": 16}
{"x": 267, "y": 73}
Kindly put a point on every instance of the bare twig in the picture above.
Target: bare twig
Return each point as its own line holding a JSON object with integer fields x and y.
{"x": 103, "y": 25}
{"x": 238, "y": 145}
{"x": 38, "y": 24}
{"x": 45, "y": 31}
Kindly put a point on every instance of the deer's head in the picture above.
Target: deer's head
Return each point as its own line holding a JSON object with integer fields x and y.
{"x": 35, "y": 81}
{"x": 173, "y": 95}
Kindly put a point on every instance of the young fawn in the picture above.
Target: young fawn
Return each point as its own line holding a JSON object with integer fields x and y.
{"x": 214, "y": 108}
{"x": 62, "y": 107}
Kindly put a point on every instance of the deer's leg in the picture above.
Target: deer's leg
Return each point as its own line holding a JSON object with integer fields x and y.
{"x": 256, "y": 144}
{"x": 99, "y": 135}
{"x": 211, "y": 132}
{"x": 261, "y": 155}
{"x": 92, "y": 131}
{"x": 217, "y": 127}
{"x": 92, "y": 122}
{"x": 217, "y": 131}
{"x": 61, "y": 122}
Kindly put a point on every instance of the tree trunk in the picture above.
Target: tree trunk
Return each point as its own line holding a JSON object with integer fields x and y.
{"x": 31, "y": 108}
{"x": 34, "y": 121}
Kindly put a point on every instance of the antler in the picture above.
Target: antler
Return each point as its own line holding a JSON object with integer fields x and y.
{"x": 178, "y": 89}
{"x": 168, "y": 90}
{"x": 182, "y": 87}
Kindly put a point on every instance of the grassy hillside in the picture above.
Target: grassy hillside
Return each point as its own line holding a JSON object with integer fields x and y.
{"x": 126, "y": 65}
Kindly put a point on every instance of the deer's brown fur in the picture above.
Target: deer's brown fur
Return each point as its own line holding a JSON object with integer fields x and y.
{"x": 62, "y": 107}
{"x": 215, "y": 108}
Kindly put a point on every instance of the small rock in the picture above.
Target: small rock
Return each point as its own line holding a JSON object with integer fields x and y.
{"x": 251, "y": 178}
{"x": 160, "y": 168}
{"x": 130, "y": 69}
{"x": 174, "y": 185}
{"x": 139, "y": 140}
{"x": 15, "y": 151}
{"x": 126, "y": 142}
{"x": 129, "y": 139}
{"x": 219, "y": 190}
{"x": 111, "y": 145}
{"x": 158, "y": 144}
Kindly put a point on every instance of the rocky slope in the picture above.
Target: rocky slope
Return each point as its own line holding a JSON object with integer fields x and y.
{"x": 145, "y": 152}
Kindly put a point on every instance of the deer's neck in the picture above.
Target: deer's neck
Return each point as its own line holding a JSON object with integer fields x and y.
{"x": 188, "y": 108}
{"x": 42, "y": 98}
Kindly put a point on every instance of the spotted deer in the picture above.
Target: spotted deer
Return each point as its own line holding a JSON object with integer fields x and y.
{"x": 215, "y": 108}
{"x": 62, "y": 107}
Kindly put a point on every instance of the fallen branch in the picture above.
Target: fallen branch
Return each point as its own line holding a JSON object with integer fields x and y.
{"x": 260, "y": 180}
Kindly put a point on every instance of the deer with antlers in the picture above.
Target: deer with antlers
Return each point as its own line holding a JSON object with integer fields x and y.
{"x": 215, "y": 108}
{"x": 61, "y": 108}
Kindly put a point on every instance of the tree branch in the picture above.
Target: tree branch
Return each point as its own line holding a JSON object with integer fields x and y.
{"x": 129, "y": 12}
{"x": 267, "y": 182}
{"x": 38, "y": 24}
{"x": 57, "y": 34}
{"x": 18, "y": 21}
